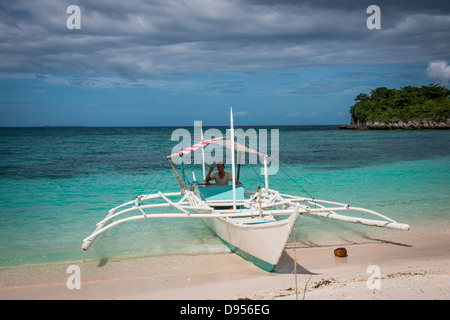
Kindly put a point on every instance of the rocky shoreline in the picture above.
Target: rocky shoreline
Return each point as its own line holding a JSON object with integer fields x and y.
{"x": 397, "y": 125}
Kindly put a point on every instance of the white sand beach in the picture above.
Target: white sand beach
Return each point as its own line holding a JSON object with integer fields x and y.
{"x": 411, "y": 265}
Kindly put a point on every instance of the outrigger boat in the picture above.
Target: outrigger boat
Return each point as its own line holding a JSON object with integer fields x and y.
{"x": 250, "y": 223}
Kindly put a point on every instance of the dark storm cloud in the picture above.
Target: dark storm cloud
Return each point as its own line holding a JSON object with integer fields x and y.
{"x": 154, "y": 38}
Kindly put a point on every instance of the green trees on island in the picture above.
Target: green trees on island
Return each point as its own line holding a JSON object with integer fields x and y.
{"x": 409, "y": 103}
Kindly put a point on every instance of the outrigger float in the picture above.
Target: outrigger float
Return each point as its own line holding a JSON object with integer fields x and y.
{"x": 249, "y": 222}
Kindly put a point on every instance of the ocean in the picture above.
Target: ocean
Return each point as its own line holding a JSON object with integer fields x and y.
{"x": 56, "y": 183}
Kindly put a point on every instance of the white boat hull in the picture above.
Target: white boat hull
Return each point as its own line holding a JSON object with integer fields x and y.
{"x": 258, "y": 240}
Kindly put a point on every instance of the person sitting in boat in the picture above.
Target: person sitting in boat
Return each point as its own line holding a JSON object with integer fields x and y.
{"x": 221, "y": 177}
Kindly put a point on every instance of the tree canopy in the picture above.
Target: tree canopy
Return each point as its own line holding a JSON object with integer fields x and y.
{"x": 405, "y": 104}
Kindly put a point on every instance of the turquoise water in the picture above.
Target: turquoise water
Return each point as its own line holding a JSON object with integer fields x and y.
{"x": 57, "y": 183}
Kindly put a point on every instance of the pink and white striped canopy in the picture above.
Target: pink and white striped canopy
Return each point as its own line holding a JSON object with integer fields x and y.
{"x": 196, "y": 146}
{"x": 222, "y": 141}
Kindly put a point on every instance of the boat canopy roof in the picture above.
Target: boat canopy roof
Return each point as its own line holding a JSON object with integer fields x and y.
{"x": 223, "y": 141}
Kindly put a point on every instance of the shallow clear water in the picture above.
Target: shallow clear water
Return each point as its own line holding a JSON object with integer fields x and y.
{"x": 57, "y": 183}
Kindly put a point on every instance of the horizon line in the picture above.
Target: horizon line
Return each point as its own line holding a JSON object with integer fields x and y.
{"x": 168, "y": 126}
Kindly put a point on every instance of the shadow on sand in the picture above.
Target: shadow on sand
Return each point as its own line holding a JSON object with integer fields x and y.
{"x": 286, "y": 265}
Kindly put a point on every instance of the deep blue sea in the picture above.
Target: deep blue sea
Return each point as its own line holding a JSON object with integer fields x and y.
{"x": 57, "y": 183}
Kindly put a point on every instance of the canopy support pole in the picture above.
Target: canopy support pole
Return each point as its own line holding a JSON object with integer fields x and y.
{"x": 232, "y": 158}
{"x": 183, "y": 176}
{"x": 203, "y": 157}
{"x": 239, "y": 167}
{"x": 176, "y": 173}
{"x": 266, "y": 176}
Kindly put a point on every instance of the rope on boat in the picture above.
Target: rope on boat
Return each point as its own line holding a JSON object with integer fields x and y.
{"x": 150, "y": 180}
{"x": 154, "y": 186}
{"x": 293, "y": 180}
{"x": 256, "y": 173}
{"x": 311, "y": 182}
{"x": 295, "y": 264}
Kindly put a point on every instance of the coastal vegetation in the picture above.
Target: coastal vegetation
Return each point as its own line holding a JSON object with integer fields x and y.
{"x": 409, "y": 107}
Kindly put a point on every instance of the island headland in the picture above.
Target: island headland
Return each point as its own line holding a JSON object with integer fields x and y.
{"x": 408, "y": 108}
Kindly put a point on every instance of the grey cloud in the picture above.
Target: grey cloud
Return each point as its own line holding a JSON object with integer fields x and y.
{"x": 154, "y": 38}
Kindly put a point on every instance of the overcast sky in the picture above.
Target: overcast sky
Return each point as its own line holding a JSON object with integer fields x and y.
{"x": 146, "y": 63}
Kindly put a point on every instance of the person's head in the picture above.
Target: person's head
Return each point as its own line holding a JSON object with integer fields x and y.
{"x": 220, "y": 166}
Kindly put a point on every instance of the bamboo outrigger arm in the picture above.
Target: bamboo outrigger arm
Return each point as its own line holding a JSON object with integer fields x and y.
{"x": 272, "y": 204}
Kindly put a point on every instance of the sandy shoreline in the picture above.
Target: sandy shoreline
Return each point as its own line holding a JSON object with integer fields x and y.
{"x": 412, "y": 265}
